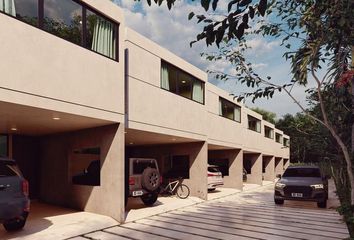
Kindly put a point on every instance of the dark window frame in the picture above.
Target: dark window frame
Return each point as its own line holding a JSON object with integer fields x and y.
{"x": 280, "y": 138}
{"x": 40, "y": 5}
{"x": 271, "y": 129}
{"x": 221, "y": 99}
{"x": 258, "y": 120}
{"x": 178, "y": 71}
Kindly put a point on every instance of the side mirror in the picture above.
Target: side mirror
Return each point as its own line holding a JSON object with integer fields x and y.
{"x": 278, "y": 176}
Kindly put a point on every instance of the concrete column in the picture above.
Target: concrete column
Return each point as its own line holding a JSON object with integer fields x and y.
{"x": 256, "y": 168}
{"x": 235, "y": 157}
{"x": 278, "y": 165}
{"x": 269, "y": 166}
{"x": 286, "y": 163}
{"x": 198, "y": 174}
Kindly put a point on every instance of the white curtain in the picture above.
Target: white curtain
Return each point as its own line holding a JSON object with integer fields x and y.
{"x": 197, "y": 94}
{"x": 237, "y": 114}
{"x": 165, "y": 83}
{"x": 8, "y": 6}
{"x": 220, "y": 107}
{"x": 258, "y": 126}
{"x": 104, "y": 39}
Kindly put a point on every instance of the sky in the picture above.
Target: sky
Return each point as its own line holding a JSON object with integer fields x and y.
{"x": 172, "y": 30}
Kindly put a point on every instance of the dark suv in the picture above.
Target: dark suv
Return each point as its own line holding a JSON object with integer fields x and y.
{"x": 302, "y": 183}
{"x": 14, "y": 201}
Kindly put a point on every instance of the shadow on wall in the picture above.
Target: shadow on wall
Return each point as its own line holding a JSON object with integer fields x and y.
{"x": 72, "y": 165}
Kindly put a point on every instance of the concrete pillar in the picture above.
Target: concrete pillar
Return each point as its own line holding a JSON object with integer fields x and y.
{"x": 278, "y": 165}
{"x": 256, "y": 167}
{"x": 198, "y": 172}
{"x": 286, "y": 163}
{"x": 269, "y": 166}
{"x": 235, "y": 157}
{"x": 56, "y": 161}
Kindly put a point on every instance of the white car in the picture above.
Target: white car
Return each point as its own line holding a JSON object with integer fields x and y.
{"x": 215, "y": 178}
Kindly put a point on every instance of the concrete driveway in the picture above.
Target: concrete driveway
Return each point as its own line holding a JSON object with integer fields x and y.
{"x": 52, "y": 222}
{"x": 247, "y": 215}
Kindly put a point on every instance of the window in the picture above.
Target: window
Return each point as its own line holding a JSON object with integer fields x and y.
{"x": 85, "y": 166}
{"x": 181, "y": 83}
{"x": 286, "y": 142}
{"x": 179, "y": 167}
{"x": 70, "y": 20}
{"x": 27, "y": 11}
{"x": 278, "y": 137}
{"x": 63, "y": 19}
{"x": 268, "y": 132}
{"x": 229, "y": 110}
{"x": 254, "y": 124}
{"x": 3, "y": 146}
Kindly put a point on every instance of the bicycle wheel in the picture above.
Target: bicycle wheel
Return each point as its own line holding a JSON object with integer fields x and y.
{"x": 182, "y": 191}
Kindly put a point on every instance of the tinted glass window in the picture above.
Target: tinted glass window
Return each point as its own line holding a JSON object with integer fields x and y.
{"x": 63, "y": 19}
{"x": 3, "y": 145}
{"x": 27, "y": 11}
{"x": 181, "y": 83}
{"x": 7, "y": 170}
{"x": 101, "y": 35}
{"x": 302, "y": 172}
{"x": 139, "y": 166}
{"x": 254, "y": 124}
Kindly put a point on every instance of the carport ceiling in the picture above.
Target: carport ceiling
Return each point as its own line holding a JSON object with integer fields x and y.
{"x": 218, "y": 147}
{"x": 20, "y": 119}
{"x": 137, "y": 137}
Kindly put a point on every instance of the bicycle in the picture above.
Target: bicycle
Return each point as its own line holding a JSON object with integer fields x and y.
{"x": 176, "y": 187}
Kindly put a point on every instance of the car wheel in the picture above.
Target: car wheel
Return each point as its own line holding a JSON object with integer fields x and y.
{"x": 150, "y": 179}
{"x": 150, "y": 198}
{"x": 322, "y": 204}
{"x": 279, "y": 201}
{"x": 16, "y": 224}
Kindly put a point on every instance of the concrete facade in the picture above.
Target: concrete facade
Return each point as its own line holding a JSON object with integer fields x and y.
{"x": 57, "y": 98}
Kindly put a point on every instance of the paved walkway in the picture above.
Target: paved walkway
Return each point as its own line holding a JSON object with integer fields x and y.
{"x": 246, "y": 215}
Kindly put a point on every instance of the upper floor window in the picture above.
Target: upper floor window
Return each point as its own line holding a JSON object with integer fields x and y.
{"x": 181, "y": 83}
{"x": 4, "y": 146}
{"x": 254, "y": 124}
{"x": 286, "y": 142}
{"x": 268, "y": 132}
{"x": 70, "y": 20}
{"x": 229, "y": 110}
{"x": 278, "y": 137}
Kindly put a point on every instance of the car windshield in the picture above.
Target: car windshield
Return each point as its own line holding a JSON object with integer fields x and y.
{"x": 213, "y": 169}
{"x": 139, "y": 166}
{"x": 302, "y": 172}
{"x": 7, "y": 170}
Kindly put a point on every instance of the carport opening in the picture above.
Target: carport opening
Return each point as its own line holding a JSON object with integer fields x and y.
{"x": 222, "y": 163}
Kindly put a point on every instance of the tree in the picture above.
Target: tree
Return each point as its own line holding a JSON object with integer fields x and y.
{"x": 268, "y": 116}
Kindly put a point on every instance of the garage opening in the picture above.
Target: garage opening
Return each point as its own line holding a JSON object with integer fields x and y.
{"x": 252, "y": 163}
{"x": 268, "y": 168}
{"x": 278, "y": 165}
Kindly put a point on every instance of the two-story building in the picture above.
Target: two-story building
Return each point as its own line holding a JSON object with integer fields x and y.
{"x": 80, "y": 90}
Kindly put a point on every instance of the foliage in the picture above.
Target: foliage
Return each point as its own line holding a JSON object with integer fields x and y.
{"x": 217, "y": 25}
{"x": 268, "y": 116}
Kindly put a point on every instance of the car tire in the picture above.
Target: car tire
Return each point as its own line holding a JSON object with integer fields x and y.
{"x": 16, "y": 224}
{"x": 150, "y": 179}
{"x": 279, "y": 201}
{"x": 150, "y": 198}
{"x": 322, "y": 204}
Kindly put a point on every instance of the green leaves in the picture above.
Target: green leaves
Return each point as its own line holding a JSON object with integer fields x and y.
{"x": 191, "y": 15}
{"x": 205, "y": 4}
{"x": 262, "y": 7}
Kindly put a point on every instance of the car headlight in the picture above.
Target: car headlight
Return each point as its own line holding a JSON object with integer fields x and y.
{"x": 280, "y": 185}
{"x": 317, "y": 186}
